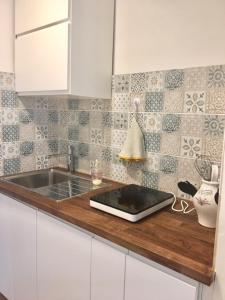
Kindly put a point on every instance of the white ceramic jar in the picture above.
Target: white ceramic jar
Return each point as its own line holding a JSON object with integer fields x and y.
{"x": 205, "y": 204}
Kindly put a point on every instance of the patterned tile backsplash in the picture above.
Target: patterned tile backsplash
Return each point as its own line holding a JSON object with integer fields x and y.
{"x": 181, "y": 114}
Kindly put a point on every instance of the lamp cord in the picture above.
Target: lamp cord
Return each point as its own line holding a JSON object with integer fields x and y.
{"x": 184, "y": 206}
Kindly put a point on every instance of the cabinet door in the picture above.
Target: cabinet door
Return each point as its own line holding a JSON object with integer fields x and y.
{"x": 63, "y": 261}
{"x": 5, "y": 248}
{"x": 41, "y": 60}
{"x": 146, "y": 282}
{"x": 36, "y": 13}
{"x": 107, "y": 272}
{"x": 23, "y": 235}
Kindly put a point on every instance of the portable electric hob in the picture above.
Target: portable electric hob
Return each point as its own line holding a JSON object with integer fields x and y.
{"x": 131, "y": 202}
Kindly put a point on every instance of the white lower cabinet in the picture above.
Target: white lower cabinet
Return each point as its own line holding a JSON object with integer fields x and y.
{"x": 43, "y": 258}
{"x": 63, "y": 261}
{"x": 146, "y": 282}
{"x": 6, "y": 286}
{"x": 17, "y": 250}
{"x": 107, "y": 272}
{"x": 23, "y": 236}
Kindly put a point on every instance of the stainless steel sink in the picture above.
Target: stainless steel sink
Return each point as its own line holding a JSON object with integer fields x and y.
{"x": 54, "y": 184}
{"x": 37, "y": 179}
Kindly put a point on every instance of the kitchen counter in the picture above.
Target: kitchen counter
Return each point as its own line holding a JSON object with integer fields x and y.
{"x": 170, "y": 238}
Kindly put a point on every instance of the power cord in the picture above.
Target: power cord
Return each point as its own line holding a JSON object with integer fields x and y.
{"x": 184, "y": 206}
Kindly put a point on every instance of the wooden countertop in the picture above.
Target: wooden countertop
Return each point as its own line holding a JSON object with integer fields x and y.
{"x": 172, "y": 239}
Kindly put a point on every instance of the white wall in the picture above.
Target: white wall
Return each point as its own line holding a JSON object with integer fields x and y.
{"x": 6, "y": 36}
{"x": 162, "y": 34}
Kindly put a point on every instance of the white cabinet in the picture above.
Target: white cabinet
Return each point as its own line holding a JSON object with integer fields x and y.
{"x": 17, "y": 250}
{"x": 37, "y": 13}
{"x": 41, "y": 59}
{"x": 23, "y": 249}
{"x": 63, "y": 261}
{"x": 6, "y": 286}
{"x": 107, "y": 272}
{"x": 78, "y": 61}
{"x": 146, "y": 282}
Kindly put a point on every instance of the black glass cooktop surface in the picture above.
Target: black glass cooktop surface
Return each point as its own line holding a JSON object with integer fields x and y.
{"x": 132, "y": 198}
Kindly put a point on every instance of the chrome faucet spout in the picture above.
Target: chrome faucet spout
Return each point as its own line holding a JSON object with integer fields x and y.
{"x": 71, "y": 167}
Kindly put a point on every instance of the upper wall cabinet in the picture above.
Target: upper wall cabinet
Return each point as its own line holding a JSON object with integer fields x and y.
{"x": 37, "y": 13}
{"x": 70, "y": 57}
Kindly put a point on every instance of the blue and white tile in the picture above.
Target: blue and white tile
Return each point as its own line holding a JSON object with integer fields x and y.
{"x": 73, "y": 133}
{"x": 192, "y": 125}
{"x": 150, "y": 179}
{"x": 119, "y": 173}
{"x": 42, "y": 162}
{"x": 28, "y": 163}
{"x": 152, "y": 162}
{"x": 168, "y": 164}
{"x": 107, "y": 139}
{"x": 154, "y": 101}
{"x": 120, "y": 121}
{"x": 194, "y": 102}
{"x": 174, "y": 79}
{"x": 171, "y": 123}
{"x": 121, "y": 83}
{"x": 195, "y": 79}
{"x": 73, "y": 104}
{"x": 53, "y": 146}
{"x": 168, "y": 183}
{"x": 27, "y": 132}
{"x": 41, "y": 117}
{"x": 84, "y": 118}
{"x": 174, "y": 100}
{"x": 83, "y": 150}
{"x": 41, "y": 132}
{"x": 26, "y": 148}
{"x": 26, "y": 116}
{"x": 85, "y": 104}
{"x": 138, "y": 82}
{"x": 41, "y": 147}
{"x": 215, "y": 100}
{"x": 155, "y": 81}
{"x": 96, "y": 119}
{"x": 214, "y": 148}
{"x": 9, "y": 116}
{"x": 152, "y": 122}
{"x": 121, "y": 102}
{"x": 11, "y": 166}
{"x": 214, "y": 125}
{"x": 97, "y": 104}
{"x": 152, "y": 142}
{"x": 41, "y": 103}
{"x": 191, "y": 147}
{"x": 118, "y": 137}
{"x": 170, "y": 144}
{"x": 216, "y": 77}
{"x": 9, "y": 99}
{"x": 53, "y": 130}
{"x": 53, "y": 116}
{"x": 107, "y": 119}
{"x": 107, "y": 154}
{"x": 7, "y": 81}
{"x": 95, "y": 152}
{"x": 96, "y": 136}
{"x": 10, "y": 133}
{"x": 187, "y": 171}
{"x": 10, "y": 150}
{"x": 84, "y": 134}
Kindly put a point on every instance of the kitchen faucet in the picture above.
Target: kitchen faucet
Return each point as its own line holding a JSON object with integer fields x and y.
{"x": 71, "y": 163}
